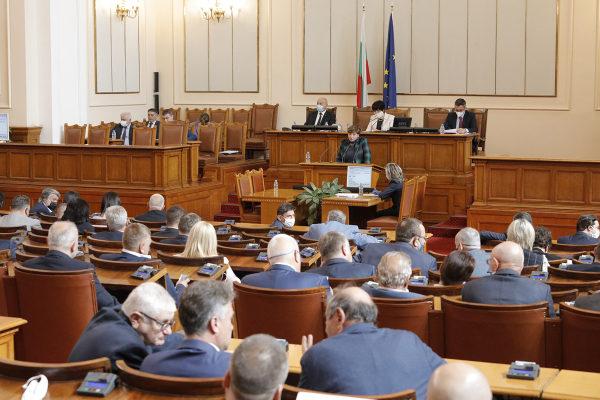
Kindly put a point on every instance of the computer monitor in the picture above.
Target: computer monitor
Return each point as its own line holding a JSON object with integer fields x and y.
{"x": 359, "y": 175}
{"x": 4, "y": 127}
{"x": 402, "y": 121}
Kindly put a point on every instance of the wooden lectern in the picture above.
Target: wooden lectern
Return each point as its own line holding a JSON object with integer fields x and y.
{"x": 318, "y": 172}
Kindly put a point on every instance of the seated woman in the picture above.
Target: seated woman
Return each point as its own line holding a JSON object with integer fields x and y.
{"x": 202, "y": 242}
{"x": 394, "y": 174}
{"x": 203, "y": 120}
{"x": 380, "y": 121}
{"x": 108, "y": 200}
{"x": 355, "y": 149}
{"x": 456, "y": 268}
{"x": 78, "y": 212}
{"x": 522, "y": 233}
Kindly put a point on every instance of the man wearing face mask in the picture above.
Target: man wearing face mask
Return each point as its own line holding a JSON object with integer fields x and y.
{"x": 124, "y": 130}
{"x": 321, "y": 116}
{"x": 462, "y": 120}
{"x": 286, "y": 216}
{"x": 410, "y": 239}
{"x": 47, "y": 203}
{"x": 588, "y": 231}
{"x": 380, "y": 121}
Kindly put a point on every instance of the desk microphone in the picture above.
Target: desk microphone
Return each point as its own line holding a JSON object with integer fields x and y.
{"x": 334, "y": 153}
{"x": 324, "y": 153}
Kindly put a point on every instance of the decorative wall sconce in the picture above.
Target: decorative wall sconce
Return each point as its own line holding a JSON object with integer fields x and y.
{"x": 128, "y": 8}
{"x": 216, "y": 12}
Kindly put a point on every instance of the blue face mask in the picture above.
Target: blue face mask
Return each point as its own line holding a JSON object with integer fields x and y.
{"x": 421, "y": 246}
{"x": 319, "y": 108}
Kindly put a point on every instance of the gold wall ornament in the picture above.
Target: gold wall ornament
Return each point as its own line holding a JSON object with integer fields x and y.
{"x": 128, "y": 8}
{"x": 216, "y": 12}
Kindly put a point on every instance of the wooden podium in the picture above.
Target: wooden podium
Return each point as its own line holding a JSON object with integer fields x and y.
{"x": 318, "y": 172}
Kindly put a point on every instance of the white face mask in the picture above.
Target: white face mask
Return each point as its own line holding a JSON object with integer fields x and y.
{"x": 379, "y": 115}
{"x": 459, "y": 113}
{"x": 595, "y": 233}
{"x": 289, "y": 222}
{"x": 124, "y": 124}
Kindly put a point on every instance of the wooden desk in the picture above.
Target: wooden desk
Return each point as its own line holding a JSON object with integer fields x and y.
{"x": 294, "y": 354}
{"x": 247, "y": 264}
{"x": 122, "y": 279}
{"x": 175, "y": 272}
{"x": 574, "y": 385}
{"x": 270, "y": 200}
{"x": 8, "y": 328}
{"x": 359, "y": 210}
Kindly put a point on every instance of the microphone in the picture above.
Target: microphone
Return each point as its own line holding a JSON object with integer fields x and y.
{"x": 355, "y": 126}
{"x": 324, "y": 153}
{"x": 334, "y": 153}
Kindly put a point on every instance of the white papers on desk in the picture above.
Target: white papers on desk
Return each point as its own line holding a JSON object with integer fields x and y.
{"x": 347, "y": 195}
{"x": 229, "y": 152}
{"x": 322, "y": 396}
{"x": 449, "y": 130}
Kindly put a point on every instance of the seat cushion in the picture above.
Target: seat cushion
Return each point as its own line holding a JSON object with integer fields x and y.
{"x": 231, "y": 157}
{"x": 383, "y": 222}
{"x": 256, "y": 142}
{"x": 206, "y": 160}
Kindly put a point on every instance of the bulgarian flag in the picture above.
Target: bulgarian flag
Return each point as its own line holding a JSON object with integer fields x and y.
{"x": 364, "y": 78}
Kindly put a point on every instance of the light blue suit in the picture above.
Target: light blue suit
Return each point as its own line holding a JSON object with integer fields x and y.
{"x": 350, "y": 231}
{"x": 481, "y": 266}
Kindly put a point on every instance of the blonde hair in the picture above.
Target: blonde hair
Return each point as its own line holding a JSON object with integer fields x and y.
{"x": 393, "y": 171}
{"x": 522, "y": 233}
{"x": 202, "y": 241}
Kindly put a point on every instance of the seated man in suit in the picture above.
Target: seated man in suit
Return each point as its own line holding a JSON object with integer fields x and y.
{"x": 321, "y": 116}
{"x": 167, "y": 116}
{"x": 336, "y": 221}
{"x": 336, "y": 256}
{"x": 393, "y": 274}
{"x": 284, "y": 258}
{"x": 153, "y": 121}
{"x": 592, "y": 267}
{"x": 185, "y": 226}
{"x": 47, "y": 202}
{"x": 286, "y": 216}
{"x": 124, "y": 129}
{"x": 63, "y": 244}
{"x": 463, "y": 121}
{"x": 156, "y": 210}
{"x": 467, "y": 239}
{"x": 506, "y": 286}
{"x": 487, "y": 235}
{"x": 206, "y": 314}
{"x": 457, "y": 268}
{"x": 141, "y": 326}
{"x": 136, "y": 247}
{"x": 591, "y": 303}
{"x": 543, "y": 242}
{"x": 19, "y": 214}
{"x": 410, "y": 239}
{"x": 174, "y": 214}
{"x": 588, "y": 231}
{"x": 258, "y": 369}
{"x": 359, "y": 359}
{"x": 458, "y": 381}
{"x": 117, "y": 221}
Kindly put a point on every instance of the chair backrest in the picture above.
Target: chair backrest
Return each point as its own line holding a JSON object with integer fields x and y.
{"x": 576, "y": 275}
{"x": 235, "y": 137}
{"x": 243, "y": 185}
{"x": 143, "y": 136}
{"x": 169, "y": 248}
{"x": 580, "y": 332}
{"x": 58, "y": 302}
{"x": 408, "y": 197}
{"x": 98, "y": 134}
{"x": 427, "y": 290}
{"x": 110, "y": 125}
{"x": 335, "y": 282}
{"x": 257, "y": 237}
{"x": 202, "y": 387}
{"x": 39, "y": 250}
{"x": 55, "y": 372}
{"x": 242, "y": 116}
{"x": 481, "y": 117}
{"x": 48, "y": 218}
{"x": 94, "y": 251}
{"x": 291, "y": 393}
{"x": 259, "y": 230}
{"x": 437, "y": 256}
{"x": 330, "y": 109}
{"x": 175, "y": 111}
{"x": 284, "y": 314}
{"x": 407, "y": 314}
{"x": 150, "y": 224}
{"x": 13, "y": 229}
{"x": 526, "y": 271}
{"x": 172, "y": 133}
{"x": 210, "y": 136}
{"x": 46, "y": 225}
{"x": 219, "y": 115}
{"x": 435, "y": 117}
{"x": 243, "y": 252}
{"x": 21, "y": 256}
{"x": 36, "y": 238}
{"x": 399, "y": 112}
{"x": 258, "y": 180}
{"x": 360, "y": 115}
{"x": 419, "y": 196}
{"x": 193, "y": 115}
{"x": 105, "y": 244}
{"x": 241, "y": 244}
{"x": 468, "y": 328}
{"x": 74, "y": 134}
{"x": 582, "y": 286}
{"x": 557, "y": 262}
{"x": 573, "y": 247}
{"x": 188, "y": 261}
{"x": 567, "y": 295}
{"x": 3, "y": 298}
{"x": 123, "y": 265}
{"x": 264, "y": 117}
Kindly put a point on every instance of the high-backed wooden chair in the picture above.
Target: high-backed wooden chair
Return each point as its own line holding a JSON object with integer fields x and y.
{"x": 111, "y": 125}
{"x": 176, "y": 112}
{"x": 407, "y": 314}
{"x": 284, "y": 314}
{"x": 435, "y": 117}
{"x": 580, "y": 331}
{"x": 258, "y": 180}
{"x": 74, "y": 134}
{"x": 264, "y": 118}
{"x": 330, "y": 109}
{"x": 575, "y": 275}
{"x": 98, "y": 134}
{"x": 172, "y": 133}
{"x": 291, "y": 393}
{"x": 210, "y": 136}
{"x": 243, "y": 184}
{"x": 481, "y": 117}
{"x": 399, "y": 112}
{"x": 144, "y": 136}
{"x": 242, "y": 116}
{"x": 55, "y": 372}
{"x": 193, "y": 115}
{"x": 409, "y": 190}
{"x": 360, "y": 115}
{"x": 235, "y": 139}
{"x": 219, "y": 115}
{"x": 419, "y": 197}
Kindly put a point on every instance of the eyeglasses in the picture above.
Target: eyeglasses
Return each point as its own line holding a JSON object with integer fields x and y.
{"x": 163, "y": 325}
{"x": 425, "y": 238}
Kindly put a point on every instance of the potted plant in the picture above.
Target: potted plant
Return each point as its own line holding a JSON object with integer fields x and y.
{"x": 315, "y": 196}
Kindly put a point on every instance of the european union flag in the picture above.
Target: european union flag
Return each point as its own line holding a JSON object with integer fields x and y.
{"x": 389, "y": 77}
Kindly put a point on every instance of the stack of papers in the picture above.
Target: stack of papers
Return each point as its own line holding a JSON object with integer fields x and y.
{"x": 347, "y": 195}
{"x": 229, "y": 152}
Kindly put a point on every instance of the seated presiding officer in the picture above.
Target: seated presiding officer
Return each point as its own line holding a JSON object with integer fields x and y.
{"x": 117, "y": 221}
{"x": 521, "y": 232}
{"x": 141, "y": 326}
{"x": 205, "y": 313}
{"x": 336, "y": 256}
{"x": 468, "y": 239}
{"x": 336, "y": 221}
{"x": 506, "y": 286}
{"x": 156, "y": 210}
{"x": 47, "y": 202}
{"x": 393, "y": 274}
{"x": 354, "y": 149}
{"x": 380, "y": 121}
{"x": 284, "y": 273}
{"x": 456, "y": 268}
{"x": 124, "y": 129}
{"x": 185, "y": 226}
{"x": 174, "y": 214}
{"x": 458, "y": 381}
{"x": 359, "y": 359}
{"x": 543, "y": 242}
{"x": 19, "y": 214}
{"x": 78, "y": 212}
{"x": 587, "y": 231}
{"x": 321, "y": 116}
{"x": 487, "y": 235}
{"x": 410, "y": 239}
{"x": 394, "y": 174}
{"x": 286, "y": 216}
{"x": 63, "y": 244}
{"x": 462, "y": 120}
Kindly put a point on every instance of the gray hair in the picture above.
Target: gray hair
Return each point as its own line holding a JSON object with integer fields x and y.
{"x": 126, "y": 115}
{"x": 149, "y": 298}
{"x": 337, "y": 215}
{"x": 47, "y": 193}
{"x": 62, "y": 235}
{"x": 331, "y": 243}
{"x": 116, "y": 217}
{"x": 468, "y": 237}
{"x": 257, "y": 368}
{"x": 394, "y": 270}
{"x": 20, "y": 202}
{"x": 393, "y": 171}
{"x": 187, "y": 222}
{"x": 522, "y": 233}
{"x": 134, "y": 235}
{"x": 202, "y": 301}
{"x": 156, "y": 201}
{"x": 355, "y": 309}
{"x": 407, "y": 229}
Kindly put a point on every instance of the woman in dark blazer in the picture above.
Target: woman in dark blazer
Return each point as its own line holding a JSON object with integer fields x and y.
{"x": 355, "y": 149}
{"x": 78, "y": 212}
{"x": 394, "y": 174}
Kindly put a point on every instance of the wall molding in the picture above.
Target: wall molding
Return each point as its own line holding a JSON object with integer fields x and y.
{"x": 5, "y": 70}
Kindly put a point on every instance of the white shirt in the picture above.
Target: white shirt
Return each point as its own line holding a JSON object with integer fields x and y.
{"x": 136, "y": 254}
{"x": 125, "y": 132}
{"x": 151, "y": 124}
{"x": 393, "y": 290}
{"x": 319, "y": 115}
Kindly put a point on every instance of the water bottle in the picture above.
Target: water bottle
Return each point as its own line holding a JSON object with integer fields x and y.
{"x": 276, "y": 186}
{"x": 113, "y": 134}
{"x": 360, "y": 190}
{"x": 307, "y": 157}
{"x": 347, "y": 126}
{"x": 442, "y": 129}
{"x": 416, "y": 125}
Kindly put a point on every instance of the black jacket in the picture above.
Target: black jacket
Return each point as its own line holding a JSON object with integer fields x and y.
{"x": 362, "y": 154}
{"x": 328, "y": 117}
{"x": 153, "y": 216}
{"x": 167, "y": 233}
{"x": 342, "y": 269}
{"x": 469, "y": 121}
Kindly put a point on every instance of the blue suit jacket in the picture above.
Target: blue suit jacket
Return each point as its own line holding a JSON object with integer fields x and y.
{"x": 167, "y": 233}
{"x": 40, "y": 208}
{"x": 373, "y": 253}
{"x": 390, "y": 294}
{"x": 9, "y": 244}
{"x": 578, "y": 238}
{"x": 180, "y": 239}
{"x": 110, "y": 334}
{"x": 277, "y": 224}
{"x": 342, "y": 269}
{"x": 191, "y": 359}
{"x": 507, "y": 287}
{"x": 364, "y": 360}
{"x": 59, "y": 261}
{"x": 481, "y": 266}
{"x": 592, "y": 267}
{"x": 281, "y": 276}
{"x": 113, "y": 236}
{"x": 191, "y": 136}
{"x": 153, "y": 216}
{"x": 350, "y": 231}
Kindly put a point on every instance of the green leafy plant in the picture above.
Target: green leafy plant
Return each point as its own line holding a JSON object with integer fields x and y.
{"x": 315, "y": 196}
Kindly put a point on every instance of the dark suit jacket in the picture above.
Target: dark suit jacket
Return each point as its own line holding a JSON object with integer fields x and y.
{"x": 191, "y": 359}
{"x": 342, "y": 269}
{"x": 110, "y": 334}
{"x": 40, "y": 208}
{"x": 156, "y": 125}
{"x": 9, "y": 244}
{"x": 484, "y": 236}
{"x": 58, "y": 261}
{"x": 548, "y": 255}
{"x": 374, "y": 251}
{"x": 366, "y": 361}
{"x": 167, "y": 233}
{"x": 328, "y": 117}
{"x": 85, "y": 226}
{"x": 113, "y": 236}
{"x": 180, "y": 239}
{"x": 119, "y": 131}
{"x": 532, "y": 258}
{"x": 592, "y": 267}
{"x": 394, "y": 190}
{"x": 191, "y": 136}
{"x": 507, "y": 287}
{"x": 281, "y": 276}
{"x": 469, "y": 121}
{"x": 153, "y": 216}
{"x": 578, "y": 238}
{"x": 591, "y": 303}
{"x": 390, "y": 294}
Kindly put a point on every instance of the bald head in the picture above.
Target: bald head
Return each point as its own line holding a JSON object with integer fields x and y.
{"x": 458, "y": 381}
{"x": 323, "y": 102}
{"x": 157, "y": 202}
{"x": 62, "y": 237}
{"x": 507, "y": 255}
{"x": 284, "y": 249}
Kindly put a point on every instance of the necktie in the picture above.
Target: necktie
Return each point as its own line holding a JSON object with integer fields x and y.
{"x": 320, "y": 119}
{"x": 125, "y": 136}
{"x": 379, "y": 123}
{"x": 460, "y": 122}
